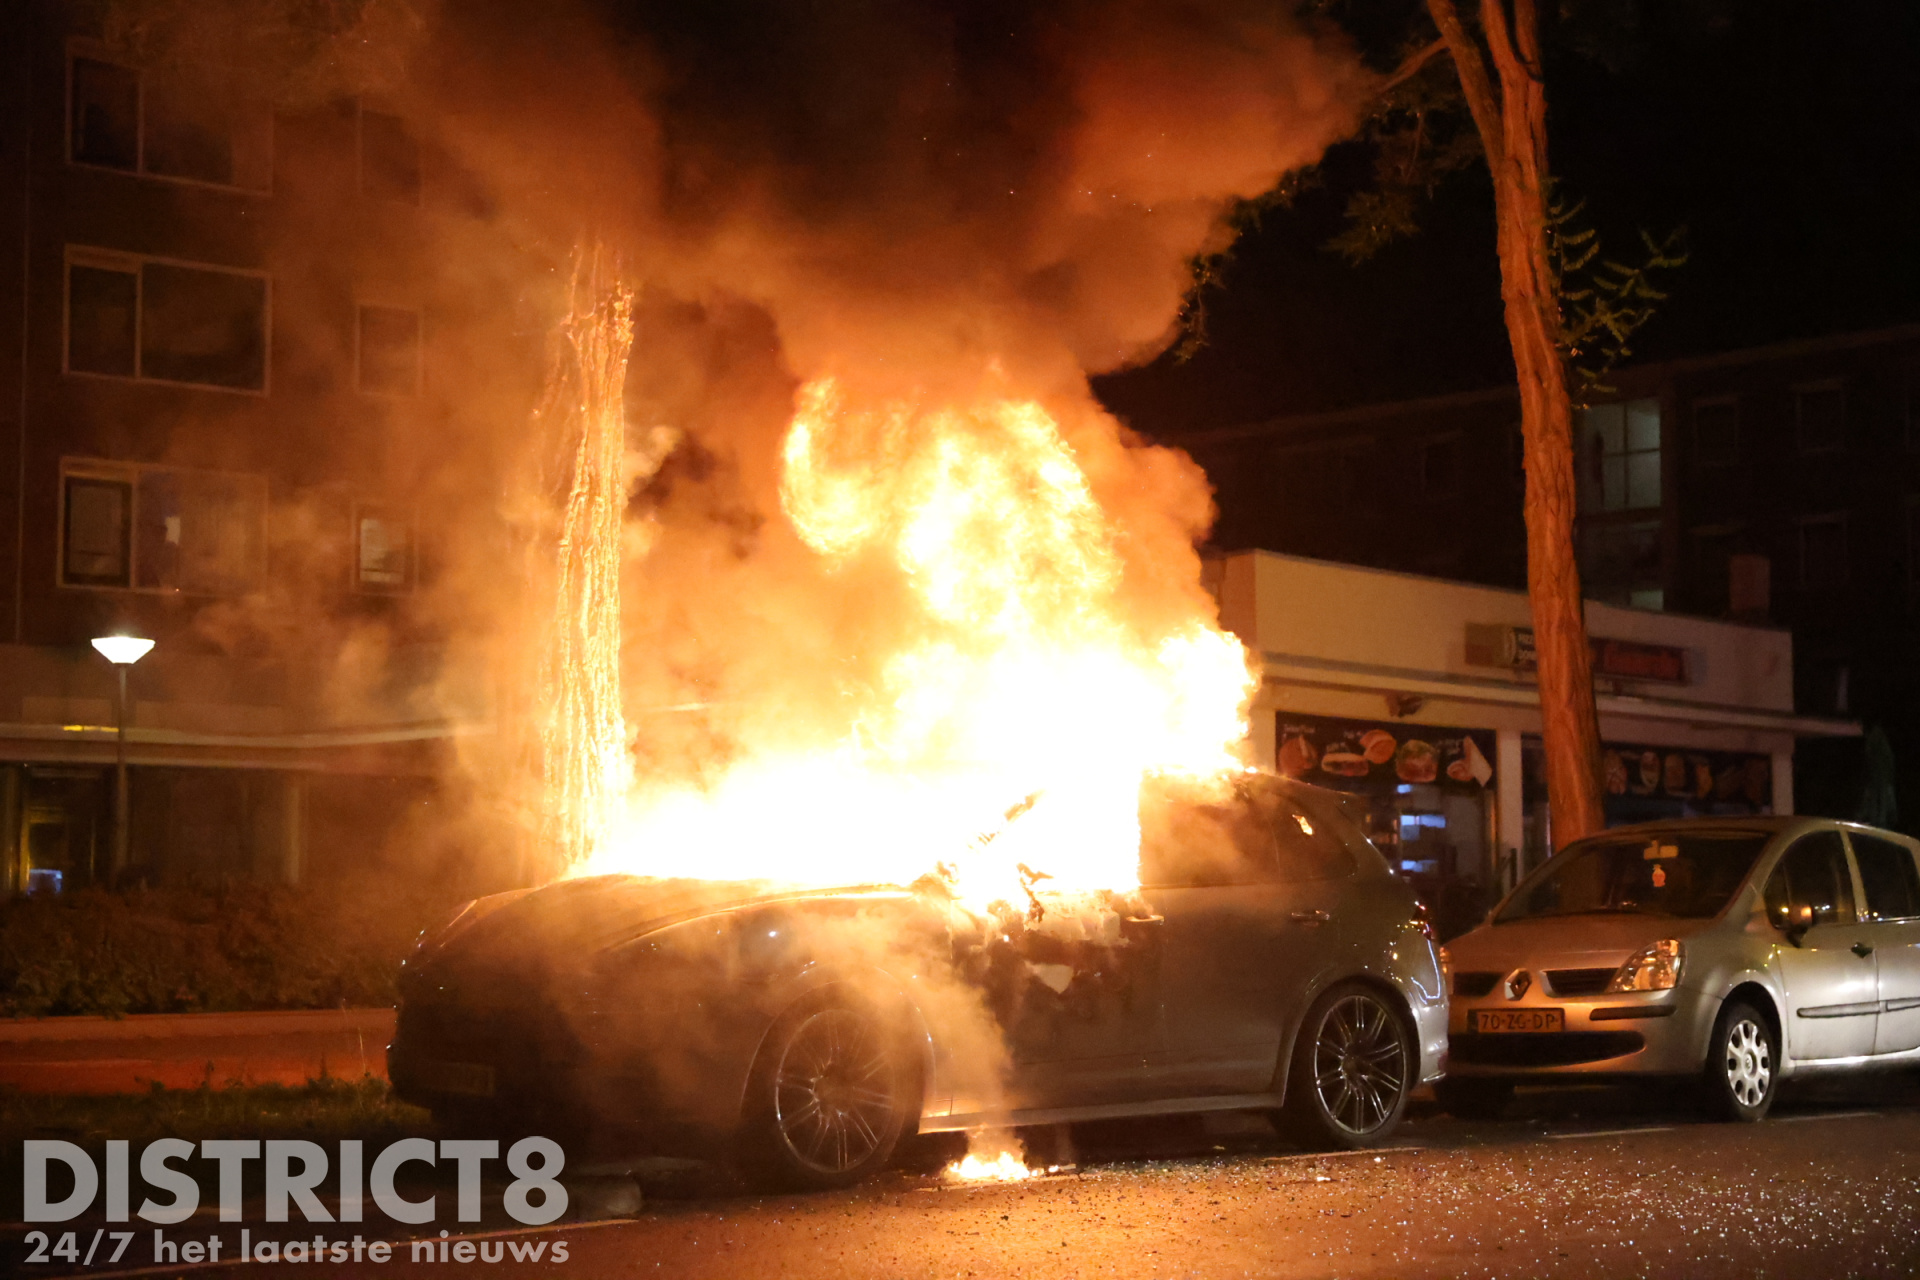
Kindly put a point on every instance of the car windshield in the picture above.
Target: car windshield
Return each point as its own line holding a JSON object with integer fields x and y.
{"x": 1666, "y": 873}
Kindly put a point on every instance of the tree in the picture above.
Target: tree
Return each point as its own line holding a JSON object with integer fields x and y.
{"x": 1568, "y": 312}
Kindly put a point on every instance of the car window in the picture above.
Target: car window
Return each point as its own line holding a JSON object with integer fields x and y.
{"x": 1310, "y": 843}
{"x": 1256, "y": 837}
{"x": 1686, "y": 873}
{"x": 1888, "y": 876}
{"x": 1810, "y": 885}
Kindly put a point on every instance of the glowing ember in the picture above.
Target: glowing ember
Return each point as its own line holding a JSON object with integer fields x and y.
{"x": 584, "y": 739}
{"x": 1005, "y": 1167}
{"x": 1015, "y": 723}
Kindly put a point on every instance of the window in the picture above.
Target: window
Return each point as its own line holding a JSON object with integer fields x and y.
{"x": 1823, "y": 551}
{"x": 95, "y": 531}
{"x": 1820, "y": 417}
{"x": 1888, "y": 876}
{"x": 132, "y": 317}
{"x": 1716, "y": 431}
{"x": 1811, "y": 886}
{"x": 1440, "y": 467}
{"x": 1621, "y": 563}
{"x": 1710, "y": 566}
{"x": 188, "y": 127}
{"x": 1620, "y": 450}
{"x": 388, "y": 346}
{"x": 158, "y": 528}
{"x": 383, "y": 550}
{"x": 389, "y": 158}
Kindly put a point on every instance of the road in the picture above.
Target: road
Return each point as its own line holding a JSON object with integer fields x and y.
{"x": 1572, "y": 1185}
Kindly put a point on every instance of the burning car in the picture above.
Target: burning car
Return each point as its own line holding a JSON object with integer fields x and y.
{"x": 1268, "y": 961}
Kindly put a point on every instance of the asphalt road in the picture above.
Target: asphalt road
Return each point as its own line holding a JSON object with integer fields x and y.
{"x": 1588, "y": 1185}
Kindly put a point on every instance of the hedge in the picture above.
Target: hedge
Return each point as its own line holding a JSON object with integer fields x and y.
{"x": 179, "y": 951}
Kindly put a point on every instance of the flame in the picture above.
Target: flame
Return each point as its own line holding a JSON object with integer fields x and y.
{"x": 1016, "y": 727}
{"x": 1005, "y": 1167}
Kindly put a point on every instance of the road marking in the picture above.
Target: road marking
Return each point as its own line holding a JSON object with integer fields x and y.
{"x": 1610, "y": 1133}
{"x": 1826, "y": 1115}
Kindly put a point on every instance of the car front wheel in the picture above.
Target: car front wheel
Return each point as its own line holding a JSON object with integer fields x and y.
{"x": 1742, "y": 1064}
{"x": 831, "y": 1093}
{"x": 1353, "y": 1068}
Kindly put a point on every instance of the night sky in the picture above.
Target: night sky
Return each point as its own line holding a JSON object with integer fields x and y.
{"x": 1781, "y": 133}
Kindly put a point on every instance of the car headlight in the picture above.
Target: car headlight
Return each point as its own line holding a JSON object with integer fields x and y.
{"x": 1655, "y": 969}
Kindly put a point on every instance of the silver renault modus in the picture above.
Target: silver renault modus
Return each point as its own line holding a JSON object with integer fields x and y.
{"x": 1735, "y": 951}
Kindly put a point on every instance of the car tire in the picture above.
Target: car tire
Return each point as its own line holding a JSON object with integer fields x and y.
{"x": 1471, "y": 1099}
{"x": 1354, "y": 1066}
{"x": 1742, "y": 1072}
{"x": 832, "y": 1090}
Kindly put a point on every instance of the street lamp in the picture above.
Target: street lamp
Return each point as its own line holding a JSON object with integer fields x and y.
{"x": 122, "y": 652}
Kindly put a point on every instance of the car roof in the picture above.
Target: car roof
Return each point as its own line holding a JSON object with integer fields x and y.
{"x": 1769, "y": 824}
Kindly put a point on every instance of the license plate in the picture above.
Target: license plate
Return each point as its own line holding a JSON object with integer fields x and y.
{"x": 1518, "y": 1020}
{"x": 470, "y": 1078}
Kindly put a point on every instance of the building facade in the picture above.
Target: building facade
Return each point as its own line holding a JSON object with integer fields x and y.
{"x": 237, "y": 344}
{"x": 1776, "y": 485}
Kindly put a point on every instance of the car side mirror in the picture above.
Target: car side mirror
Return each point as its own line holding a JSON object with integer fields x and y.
{"x": 1799, "y": 920}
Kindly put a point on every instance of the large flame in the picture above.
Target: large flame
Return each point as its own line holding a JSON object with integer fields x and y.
{"x": 1012, "y": 734}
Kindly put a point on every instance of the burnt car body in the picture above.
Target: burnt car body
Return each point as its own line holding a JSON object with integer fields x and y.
{"x": 1271, "y": 961}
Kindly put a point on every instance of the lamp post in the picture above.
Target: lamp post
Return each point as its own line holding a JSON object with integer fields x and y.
{"x": 122, "y": 652}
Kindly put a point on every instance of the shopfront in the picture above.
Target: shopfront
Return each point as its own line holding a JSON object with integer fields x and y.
{"x": 1417, "y": 698}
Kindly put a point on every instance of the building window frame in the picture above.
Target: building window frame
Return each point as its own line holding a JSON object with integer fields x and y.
{"x": 1701, "y": 455}
{"x": 1800, "y": 391}
{"x": 1452, "y": 485}
{"x": 1910, "y": 520}
{"x": 409, "y": 573}
{"x": 130, "y": 475}
{"x": 1835, "y": 519}
{"x": 417, "y": 380}
{"x": 361, "y": 110}
{"x": 88, "y": 256}
{"x": 80, "y": 50}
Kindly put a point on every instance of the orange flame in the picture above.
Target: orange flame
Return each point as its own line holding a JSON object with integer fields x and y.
{"x": 1018, "y": 725}
{"x": 1005, "y": 1167}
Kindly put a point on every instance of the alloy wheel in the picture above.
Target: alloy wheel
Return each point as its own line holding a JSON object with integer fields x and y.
{"x": 1749, "y": 1063}
{"x": 1359, "y": 1063}
{"x": 834, "y": 1091}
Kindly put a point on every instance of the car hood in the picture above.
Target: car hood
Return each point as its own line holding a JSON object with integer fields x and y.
{"x": 1563, "y": 942}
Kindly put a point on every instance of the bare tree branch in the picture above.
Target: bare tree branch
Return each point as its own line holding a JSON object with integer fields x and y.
{"x": 1410, "y": 68}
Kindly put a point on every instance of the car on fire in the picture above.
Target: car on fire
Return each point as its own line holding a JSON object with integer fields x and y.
{"x": 1270, "y": 961}
{"x": 1735, "y": 952}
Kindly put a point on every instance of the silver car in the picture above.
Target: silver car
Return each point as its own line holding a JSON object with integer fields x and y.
{"x": 1737, "y": 951}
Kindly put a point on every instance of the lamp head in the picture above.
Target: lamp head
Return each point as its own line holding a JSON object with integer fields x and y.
{"x": 122, "y": 650}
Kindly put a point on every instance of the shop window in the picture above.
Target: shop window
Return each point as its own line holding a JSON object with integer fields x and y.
{"x": 133, "y": 317}
{"x": 389, "y": 158}
{"x": 1440, "y": 467}
{"x": 1716, "y": 431}
{"x": 96, "y": 531}
{"x": 1820, "y": 417}
{"x": 162, "y": 529}
{"x": 383, "y": 550}
{"x": 167, "y": 126}
{"x": 1620, "y": 454}
{"x": 388, "y": 347}
{"x": 1823, "y": 551}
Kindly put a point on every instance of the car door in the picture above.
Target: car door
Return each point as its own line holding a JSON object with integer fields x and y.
{"x": 1246, "y": 932}
{"x": 1890, "y": 886}
{"x": 1826, "y": 964}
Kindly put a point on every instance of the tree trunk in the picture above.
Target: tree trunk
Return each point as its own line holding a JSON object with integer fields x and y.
{"x": 1513, "y": 131}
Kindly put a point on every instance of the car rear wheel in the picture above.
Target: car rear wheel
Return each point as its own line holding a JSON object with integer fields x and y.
{"x": 831, "y": 1093}
{"x": 1469, "y": 1099}
{"x": 1741, "y": 1074}
{"x": 1353, "y": 1068}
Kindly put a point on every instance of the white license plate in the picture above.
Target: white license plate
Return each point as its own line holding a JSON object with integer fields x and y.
{"x": 469, "y": 1078}
{"x": 1504, "y": 1020}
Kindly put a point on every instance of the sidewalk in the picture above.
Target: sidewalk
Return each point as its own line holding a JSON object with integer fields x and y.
{"x": 183, "y": 1050}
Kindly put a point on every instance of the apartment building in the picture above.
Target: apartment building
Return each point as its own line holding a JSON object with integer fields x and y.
{"x": 241, "y": 345}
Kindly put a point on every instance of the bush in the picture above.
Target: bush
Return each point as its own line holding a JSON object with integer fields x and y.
{"x": 180, "y": 951}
